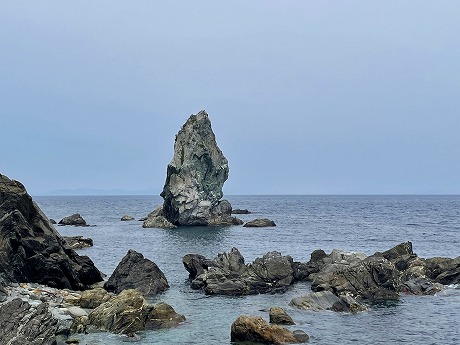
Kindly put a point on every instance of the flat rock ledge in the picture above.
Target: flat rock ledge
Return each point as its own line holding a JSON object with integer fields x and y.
{"x": 259, "y": 223}
{"x": 255, "y": 329}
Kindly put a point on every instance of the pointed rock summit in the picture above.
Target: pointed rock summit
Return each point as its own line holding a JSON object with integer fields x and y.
{"x": 195, "y": 178}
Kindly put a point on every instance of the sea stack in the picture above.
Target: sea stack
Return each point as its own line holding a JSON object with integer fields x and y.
{"x": 193, "y": 189}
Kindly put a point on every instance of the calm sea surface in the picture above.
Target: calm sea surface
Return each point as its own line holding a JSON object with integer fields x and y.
{"x": 304, "y": 223}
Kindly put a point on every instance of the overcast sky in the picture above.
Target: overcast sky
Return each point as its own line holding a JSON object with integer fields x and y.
{"x": 305, "y": 97}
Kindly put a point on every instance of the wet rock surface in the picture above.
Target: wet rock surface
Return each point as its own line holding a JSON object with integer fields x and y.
{"x": 256, "y": 330}
{"x": 30, "y": 248}
{"x": 279, "y": 316}
{"x": 136, "y": 272}
{"x": 193, "y": 189}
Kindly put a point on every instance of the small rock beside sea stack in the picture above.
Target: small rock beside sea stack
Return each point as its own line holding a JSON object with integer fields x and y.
{"x": 193, "y": 189}
{"x": 126, "y": 218}
{"x": 75, "y": 220}
{"x": 260, "y": 223}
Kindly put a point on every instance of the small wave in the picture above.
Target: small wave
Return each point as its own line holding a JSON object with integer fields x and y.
{"x": 412, "y": 224}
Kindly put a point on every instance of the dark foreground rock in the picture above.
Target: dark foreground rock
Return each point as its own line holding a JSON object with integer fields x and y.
{"x": 227, "y": 274}
{"x": 77, "y": 242}
{"x": 136, "y": 272}
{"x": 20, "y": 324}
{"x": 75, "y": 220}
{"x": 31, "y": 250}
{"x": 259, "y": 223}
{"x": 256, "y": 330}
{"x": 128, "y": 313}
{"x": 193, "y": 189}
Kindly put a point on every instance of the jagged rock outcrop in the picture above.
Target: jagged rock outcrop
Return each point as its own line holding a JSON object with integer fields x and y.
{"x": 127, "y": 313}
{"x": 255, "y": 329}
{"x": 75, "y": 220}
{"x": 193, "y": 189}
{"x": 228, "y": 274}
{"x": 20, "y": 324}
{"x": 136, "y": 272}
{"x": 31, "y": 250}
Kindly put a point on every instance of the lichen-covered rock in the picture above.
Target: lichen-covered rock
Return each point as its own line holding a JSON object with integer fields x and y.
{"x": 256, "y": 330}
{"x": 193, "y": 189}
{"x": 128, "y": 313}
{"x": 93, "y": 298}
{"x": 136, "y": 272}
{"x": 31, "y": 250}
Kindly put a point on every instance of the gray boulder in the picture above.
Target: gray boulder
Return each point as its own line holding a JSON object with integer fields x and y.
{"x": 31, "y": 250}
{"x": 136, "y": 272}
{"x": 20, "y": 324}
{"x": 259, "y": 223}
{"x": 75, "y": 220}
{"x": 279, "y": 316}
{"x": 126, "y": 218}
{"x": 193, "y": 189}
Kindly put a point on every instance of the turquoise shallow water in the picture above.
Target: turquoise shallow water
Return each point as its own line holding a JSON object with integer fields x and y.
{"x": 304, "y": 223}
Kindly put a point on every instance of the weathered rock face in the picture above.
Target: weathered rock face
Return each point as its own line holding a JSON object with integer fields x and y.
{"x": 227, "y": 274}
{"x": 20, "y": 324}
{"x": 195, "y": 177}
{"x": 279, "y": 316}
{"x": 93, "y": 298}
{"x": 256, "y": 330}
{"x": 128, "y": 313}
{"x": 30, "y": 248}
{"x": 326, "y": 300}
{"x": 136, "y": 272}
{"x": 78, "y": 242}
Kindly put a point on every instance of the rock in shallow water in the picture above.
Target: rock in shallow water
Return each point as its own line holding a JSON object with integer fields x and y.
{"x": 259, "y": 223}
{"x": 257, "y": 330}
{"x": 75, "y": 220}
{"x": 279, "y": 316}
{"x": 195, "y": 178}
{"x": 136, "y": 272}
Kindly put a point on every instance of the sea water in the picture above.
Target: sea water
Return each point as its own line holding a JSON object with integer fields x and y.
{"x": 304, "y": 223}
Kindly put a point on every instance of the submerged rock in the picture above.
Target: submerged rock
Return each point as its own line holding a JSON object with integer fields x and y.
{"x": 31, "y": 250}
{"x": 259, "y": 223}
{"x": 241, "y": 211}
{"x": 193, "y": 189}
{"x": 75, "y": 220}
{"x": 126, "y": 218}
{"x": 256, "y": 330}
{"x": 136, "y": 272}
